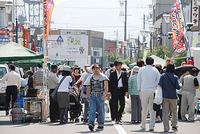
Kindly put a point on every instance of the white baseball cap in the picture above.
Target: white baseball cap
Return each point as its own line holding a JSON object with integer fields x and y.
{"x": 66, "y": 68}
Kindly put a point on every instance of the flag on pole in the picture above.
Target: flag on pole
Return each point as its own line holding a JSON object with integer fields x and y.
{"x": 48, "y": 6}
{"x": 178, "y": 28}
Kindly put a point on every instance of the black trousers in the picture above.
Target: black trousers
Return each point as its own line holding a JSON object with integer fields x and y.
{"x": 11, "y": 91}
{"x": 111, "y": 108}
{"x": 118, "y": 96}
{"x": 54, "y": 108}
{"x": 179, "y": 106}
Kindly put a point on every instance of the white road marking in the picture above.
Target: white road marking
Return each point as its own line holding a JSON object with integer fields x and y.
{"x": 118, "y": 127}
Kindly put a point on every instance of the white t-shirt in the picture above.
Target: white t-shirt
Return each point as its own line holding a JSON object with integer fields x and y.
{"x": 83, "y": 76}
{"x": 64, "y": 87}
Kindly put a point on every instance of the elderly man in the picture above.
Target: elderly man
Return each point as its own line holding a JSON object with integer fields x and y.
{"x": 148, "y": 78}
{"x": 190, "y": 84}
{"x": 53, "y": 82}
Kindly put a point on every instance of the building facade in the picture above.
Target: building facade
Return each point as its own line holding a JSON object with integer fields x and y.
{"x": 90, "y": 44}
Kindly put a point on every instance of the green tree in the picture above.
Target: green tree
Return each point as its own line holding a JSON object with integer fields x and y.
{"x": 111, "y": 57}
{"x": 160, "y": 51}
{"x": 126, "y": 61}
{"x": 178, "y": 62}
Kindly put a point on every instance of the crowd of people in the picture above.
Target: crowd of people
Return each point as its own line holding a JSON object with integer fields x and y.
{"x": 115, "y": 83}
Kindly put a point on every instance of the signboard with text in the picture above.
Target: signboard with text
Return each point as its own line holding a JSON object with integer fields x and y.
{"x": 75, "y": 45}
{"x": 195, "y": 15}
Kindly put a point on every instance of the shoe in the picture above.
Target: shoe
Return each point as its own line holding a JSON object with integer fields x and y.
{"x": 134, "y": 122}
{"x": 91, "y": 126}
{"x": 151, "y": 129}
{"x": 191, "y": 120}
{"x": 62, "y": 122}
{"x": 53, "y": 121}
{"x": 85, "y": 121}
{"x": 117, "y": 121}
{"x": 99, "y": 128}
{"x": 142, "y": 128}
{"x": 166, "y": 131}
{"x": 175, "y": 129}
{"x": 7, "y": 113}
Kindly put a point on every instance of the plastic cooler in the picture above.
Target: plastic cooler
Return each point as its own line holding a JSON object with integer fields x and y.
{"x": 20, "y": 100}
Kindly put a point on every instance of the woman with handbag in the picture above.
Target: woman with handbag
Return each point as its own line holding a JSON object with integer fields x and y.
{"x": 169, "y": 83}
{"x": 63, "y": 93}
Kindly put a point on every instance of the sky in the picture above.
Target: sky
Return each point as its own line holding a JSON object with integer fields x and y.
{"x": 100, "y": 15}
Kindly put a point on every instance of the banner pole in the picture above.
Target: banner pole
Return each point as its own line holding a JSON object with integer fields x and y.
{"x": 186, "y": 33}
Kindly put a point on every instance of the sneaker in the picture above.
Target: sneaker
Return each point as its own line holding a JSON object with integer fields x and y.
{"x": 143, "y": 128}
{"x": 91, "y": 127}
{"x": 175, "y": 129}
{"x": 99, "y": 128}
{"x": 85, "y": 121}
{"x": 117, "y": 122}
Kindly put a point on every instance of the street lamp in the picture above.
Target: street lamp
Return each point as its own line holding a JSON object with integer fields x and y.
{"x": 26, "y": 24}
{"x": 39, "y": 37}
{"x": 32, "y": 31}
{"x": 8, "y": 8}
{"x": 143, "y": 32}
{"x": 166, "y": 18}
{"x": 152, "y": 30}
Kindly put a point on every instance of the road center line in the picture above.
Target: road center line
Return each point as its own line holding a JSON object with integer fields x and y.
{"x": 118, "y": 127}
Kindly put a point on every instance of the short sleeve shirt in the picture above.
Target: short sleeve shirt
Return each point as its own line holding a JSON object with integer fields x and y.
{"x": 64, "y": 87}
{"x": 96, "y": 85}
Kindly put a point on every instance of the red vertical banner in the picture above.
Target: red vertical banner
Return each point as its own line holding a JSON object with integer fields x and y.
{"x": 48, "y": 6}
{"x": 26, "y": 38}
{"x": 178, "y": 28}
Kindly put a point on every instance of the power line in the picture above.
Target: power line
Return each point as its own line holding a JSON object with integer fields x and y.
{"x": 99, "y": 7}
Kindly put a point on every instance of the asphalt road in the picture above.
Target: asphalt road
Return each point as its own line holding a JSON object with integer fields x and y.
{"x": 6, "y": 127}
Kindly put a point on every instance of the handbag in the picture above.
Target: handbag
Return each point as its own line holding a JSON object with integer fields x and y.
{"x": 54, "y": 93}
{"x": 158, "y": 96}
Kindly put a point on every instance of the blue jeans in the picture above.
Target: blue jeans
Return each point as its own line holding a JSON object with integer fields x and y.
{"x": 96, "y": 104}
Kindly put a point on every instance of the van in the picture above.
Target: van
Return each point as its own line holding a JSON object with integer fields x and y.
{"x": 3, "y": 71}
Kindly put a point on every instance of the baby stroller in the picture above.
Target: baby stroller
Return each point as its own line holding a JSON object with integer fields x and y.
{"x": 75, "y": 105}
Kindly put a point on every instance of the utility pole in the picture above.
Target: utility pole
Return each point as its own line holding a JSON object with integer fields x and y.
{"x": 144, "y": 27}
{"x": 138, "y": 47}
{"x": 125, "y": 25}
{"x": 16, "y": 23}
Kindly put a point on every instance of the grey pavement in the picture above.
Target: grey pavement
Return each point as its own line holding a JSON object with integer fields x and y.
{"x": 6, "y": 127}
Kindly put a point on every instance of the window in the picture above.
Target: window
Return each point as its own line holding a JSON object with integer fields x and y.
{"x": 68, "y": 32}
{"x": 96, "y": 52}
{"x": 2, "y": 72}
{"x": 82, "y": 32}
